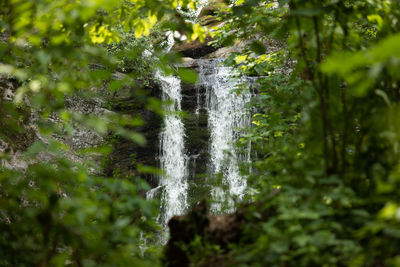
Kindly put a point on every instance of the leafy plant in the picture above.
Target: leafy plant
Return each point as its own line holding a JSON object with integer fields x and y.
{"x": 56, "y": 210}
{"x": 324, "y": 131}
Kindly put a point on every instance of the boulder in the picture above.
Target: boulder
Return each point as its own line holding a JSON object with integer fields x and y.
{"x": 195, "y": 49}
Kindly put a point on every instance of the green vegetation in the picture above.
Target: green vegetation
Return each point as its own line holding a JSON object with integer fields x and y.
{"x": 56, "y": 210}
{"x": 326, "y": 136}
{"x": 325, "y": 182}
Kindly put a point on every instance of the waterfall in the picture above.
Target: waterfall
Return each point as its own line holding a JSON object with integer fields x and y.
{"x": 226, "y": 115}
{"x": 172, "y": 157}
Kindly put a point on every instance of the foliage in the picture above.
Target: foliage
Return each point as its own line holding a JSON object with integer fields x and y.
{"x": 56, "y": 210}
{"x": 325, "y": 131}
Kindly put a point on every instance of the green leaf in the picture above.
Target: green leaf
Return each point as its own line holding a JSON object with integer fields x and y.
{"x": 187, "y": 75}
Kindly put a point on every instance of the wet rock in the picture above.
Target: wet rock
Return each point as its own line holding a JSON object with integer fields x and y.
{"x": 188, "y": 62}
{"x": 127, "y": 154}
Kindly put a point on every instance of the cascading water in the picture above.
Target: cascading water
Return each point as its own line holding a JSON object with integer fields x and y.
{"x": 226, "y": 115}
{"x": 172, "y": 157}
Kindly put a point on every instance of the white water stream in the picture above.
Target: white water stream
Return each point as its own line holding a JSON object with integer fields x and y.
{"x": 227, "y": 114}
{"x": 173, "y": 160}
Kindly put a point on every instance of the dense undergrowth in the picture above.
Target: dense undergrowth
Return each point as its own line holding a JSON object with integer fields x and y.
{"x": 325, "y": 134}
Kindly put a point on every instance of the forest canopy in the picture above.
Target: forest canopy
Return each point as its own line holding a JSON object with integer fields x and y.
{"x": 324, "y": 184}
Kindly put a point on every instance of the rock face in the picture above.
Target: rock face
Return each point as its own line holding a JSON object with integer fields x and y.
{"x": 197, "y": 134}
{"x": 17, "y": 135}
{"x": 126, "y": 154}
{"x": 82, "y": 137}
